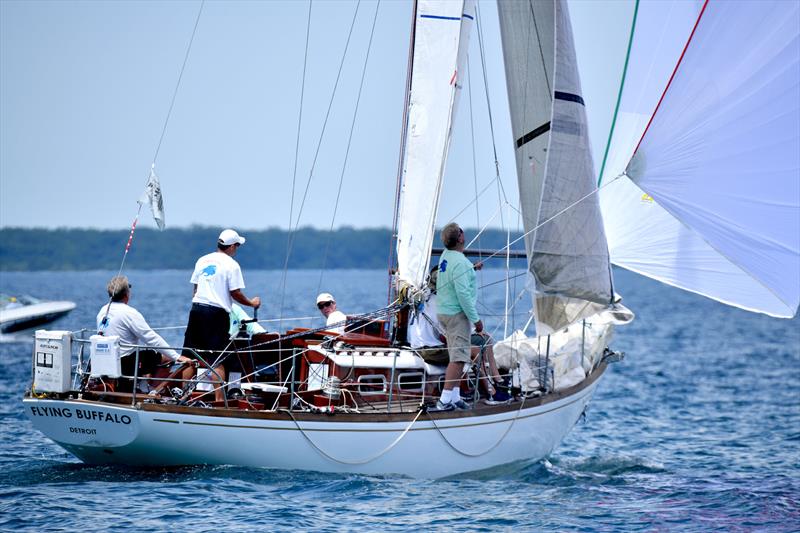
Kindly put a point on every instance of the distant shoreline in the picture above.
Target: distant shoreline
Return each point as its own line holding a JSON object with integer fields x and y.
{"x": 62, "y": 249}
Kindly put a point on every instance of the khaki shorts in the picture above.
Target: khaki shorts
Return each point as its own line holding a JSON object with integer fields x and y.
{"x": 457, "y": 329}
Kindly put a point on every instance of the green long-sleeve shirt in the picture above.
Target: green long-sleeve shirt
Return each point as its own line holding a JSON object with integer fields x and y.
{"x": 455, "y": 286}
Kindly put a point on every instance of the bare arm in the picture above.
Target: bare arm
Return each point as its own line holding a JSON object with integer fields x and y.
{"x": 239, "y": 296}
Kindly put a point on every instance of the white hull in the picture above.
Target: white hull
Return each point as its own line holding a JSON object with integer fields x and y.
{"x": 28, "y": 316}
{"x": 158, "y": 435}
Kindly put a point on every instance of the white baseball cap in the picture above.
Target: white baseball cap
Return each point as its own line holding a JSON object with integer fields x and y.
{"x": 229, "y": 236}
{"x": 325, "y": 297}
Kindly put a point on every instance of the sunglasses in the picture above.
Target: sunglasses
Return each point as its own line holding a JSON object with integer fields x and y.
{"x": 323, "y": 305}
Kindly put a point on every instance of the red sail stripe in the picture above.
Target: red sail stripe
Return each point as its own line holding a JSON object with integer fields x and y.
{"x": 697, "y": 22}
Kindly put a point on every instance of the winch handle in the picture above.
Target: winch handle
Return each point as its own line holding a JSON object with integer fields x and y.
{"x": 251, "y": 320}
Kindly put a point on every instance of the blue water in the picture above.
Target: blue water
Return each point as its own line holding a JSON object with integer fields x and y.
{"x": 698, "y": 429}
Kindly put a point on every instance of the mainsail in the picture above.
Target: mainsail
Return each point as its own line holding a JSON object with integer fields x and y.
{"x": 711, "y": 201}
{"x": 441, "y": 39}
{"x": 567, "y": 251}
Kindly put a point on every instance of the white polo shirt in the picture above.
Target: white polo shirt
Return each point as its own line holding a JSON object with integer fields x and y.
{"x": 216, "y": 275}
{"x": 334, "y": 318}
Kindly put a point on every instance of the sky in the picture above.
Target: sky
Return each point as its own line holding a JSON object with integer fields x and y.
{"x": 86, "y": 87}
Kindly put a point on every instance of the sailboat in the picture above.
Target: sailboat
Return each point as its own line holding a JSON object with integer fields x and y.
{"x": 702, "y": 169}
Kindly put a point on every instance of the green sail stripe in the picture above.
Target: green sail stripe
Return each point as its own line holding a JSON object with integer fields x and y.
{"x": 619, "y": 96}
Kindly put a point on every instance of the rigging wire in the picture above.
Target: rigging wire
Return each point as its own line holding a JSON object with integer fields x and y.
{"x": 501, "y": 194}
{"x": 293, "y": 229}
{"x": 294, "y": 170}
{"x": 489, "y": 103}
{"x": 178, "y": 84}
{"x": 347, "y": 150}
{"x": 155, "y": 155}
{"x": 474, "y": 162}
{"x": 551, "y": 218}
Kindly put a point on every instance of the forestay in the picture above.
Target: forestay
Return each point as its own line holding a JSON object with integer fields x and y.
{"x": 440, "y": 46}
{"x": 567, "y": 251}
{"x": 713, "y": 200}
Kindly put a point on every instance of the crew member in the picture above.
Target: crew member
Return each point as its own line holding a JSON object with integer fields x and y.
{"x": 120, "y": 319}
{"x": 217, "y": 281}
{"x": 457, "y": 298}
{"x": 327, "y": 306}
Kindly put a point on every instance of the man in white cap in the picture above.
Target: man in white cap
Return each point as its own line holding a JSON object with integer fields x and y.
{"x": 217, "y": 281}
{"x": 327, "y": 306}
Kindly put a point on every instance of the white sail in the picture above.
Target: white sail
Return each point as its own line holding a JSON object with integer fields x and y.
{"x": 567, "y": 254}
{"x": 440, "y": 47}
{"x": 713, "y": 203}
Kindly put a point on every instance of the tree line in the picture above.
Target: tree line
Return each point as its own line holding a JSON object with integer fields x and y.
{"x": 27, "y": 249}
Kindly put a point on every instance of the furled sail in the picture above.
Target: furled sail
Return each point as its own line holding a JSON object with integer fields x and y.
{"x": 711, "y": 200}
{"x": 441, "y": 39}
{"x": 567, "y": 251}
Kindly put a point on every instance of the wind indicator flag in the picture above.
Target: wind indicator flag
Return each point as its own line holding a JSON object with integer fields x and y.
{"x": 152, "y": 197}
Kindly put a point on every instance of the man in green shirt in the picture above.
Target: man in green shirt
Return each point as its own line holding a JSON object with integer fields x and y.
{"x": 457, "y": 296}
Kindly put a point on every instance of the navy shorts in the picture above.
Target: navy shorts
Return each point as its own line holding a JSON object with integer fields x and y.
{"x": 208, "y": 329}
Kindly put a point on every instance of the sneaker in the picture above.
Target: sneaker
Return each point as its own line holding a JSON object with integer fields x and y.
{"x": 461, "y": 405}
{"x": 442, "y": 406}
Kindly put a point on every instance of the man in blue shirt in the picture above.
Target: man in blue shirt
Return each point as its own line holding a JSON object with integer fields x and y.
{"x": 457, "y": 298}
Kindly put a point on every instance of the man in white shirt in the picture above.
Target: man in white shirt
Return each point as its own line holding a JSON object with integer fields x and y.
{"x": 217, "y": 281}
{"x": 327, "y": 306}
{"x": 119, "y": 318}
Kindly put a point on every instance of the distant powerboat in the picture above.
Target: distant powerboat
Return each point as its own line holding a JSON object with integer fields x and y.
{"x": 23, "y": 312}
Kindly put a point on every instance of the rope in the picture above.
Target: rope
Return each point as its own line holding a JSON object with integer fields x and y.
{"x": 490, "y": 448}
{"x": 360, "y": 461}
{"x": 264, "y": 321}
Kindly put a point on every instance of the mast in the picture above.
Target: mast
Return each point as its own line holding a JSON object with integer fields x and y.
{"x": 401, "y": 158}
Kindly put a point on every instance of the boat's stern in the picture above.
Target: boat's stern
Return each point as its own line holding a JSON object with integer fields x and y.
{"x": 91, "y": 431}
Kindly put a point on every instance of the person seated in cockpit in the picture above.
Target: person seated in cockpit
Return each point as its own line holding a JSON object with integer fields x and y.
{"x": 120, "y": 319}
{"x": 327, "y": 306}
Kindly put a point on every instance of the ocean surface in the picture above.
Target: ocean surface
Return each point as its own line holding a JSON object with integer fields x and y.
{"x": 698, "y": 429}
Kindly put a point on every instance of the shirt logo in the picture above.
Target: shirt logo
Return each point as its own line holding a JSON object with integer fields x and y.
{"x": 443, "y": 266}
{"x": 209, "y": 271}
